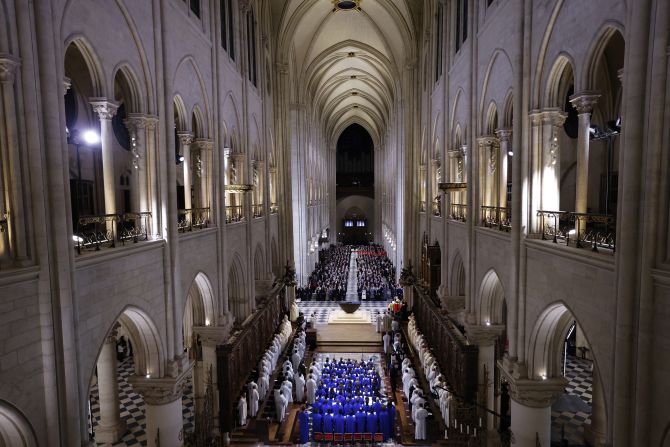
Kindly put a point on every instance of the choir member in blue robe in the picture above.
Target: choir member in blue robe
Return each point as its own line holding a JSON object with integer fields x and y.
{"x": 328, "y": 422}
{"x": 360, "y": 422}
{"x": 384, "y": 423}
{"x": 339, "y": 422}
{"x": 351, "y": 423}
{"x": 372, "y": 420}
{"x": 317, "y": 422}
{"x": 303, "y": 421}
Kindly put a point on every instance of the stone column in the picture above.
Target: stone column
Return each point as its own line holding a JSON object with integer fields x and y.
{"x": 210, "y": 338}
{"x": 552, "y": 122}
{"x": 11, "y": 168}
{"x": 596, "y": 433}
{"x": 485, "y": 338}
{"x": 186, "y": 139}
{"x": 504, "y": 136}
{"x": 111, "y": 427}
{"x": 136, "y": 124}
{"x": 535, "y": 174}
{"x": 205, "y": 146}
{"x": 162, "y": 408}
{"x": 487, "y": 171}
{"x": 106, "y": 110}
{"x": 584, "y": 103}
{"x": 531, "y": 410}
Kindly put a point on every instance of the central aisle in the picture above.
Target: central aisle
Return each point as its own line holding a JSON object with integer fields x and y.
{"x": 352, "y": 280}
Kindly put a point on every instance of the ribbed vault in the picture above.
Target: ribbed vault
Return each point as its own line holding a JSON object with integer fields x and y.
{"x": 349, "y": 63}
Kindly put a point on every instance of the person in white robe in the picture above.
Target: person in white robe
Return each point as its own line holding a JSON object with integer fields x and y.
{"x": 253, "y": 401}
{"x": 283, "y": 403}
{"x": 242, "y": 411}
{"x": 420, "y": 423}
{"x": 295, "y": 359}
{"x": 387, "y": 343}
{"x": 263, "y": 385}
{"x": 299, "y": 388}
{"x": 311, "y": 389}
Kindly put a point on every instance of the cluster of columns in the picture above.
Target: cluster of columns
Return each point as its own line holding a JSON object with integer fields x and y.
{"x": 13, "y": 243}
{"x": 196, "y": 175}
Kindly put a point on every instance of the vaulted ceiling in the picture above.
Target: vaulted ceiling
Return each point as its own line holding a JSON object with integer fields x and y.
{"x": 347, "y": 62}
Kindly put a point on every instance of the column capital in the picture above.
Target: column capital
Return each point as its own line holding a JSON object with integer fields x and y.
{"x": 185, "y": 137}
{"x": 67, "y": 83}
{"x": 8, "y": 66}
{"x": 483, "y": 335}
{"x": 536, "y": 393}
{"x": 504, "y": 134}
{"x": 160, "y": 391}
{"x": 584, "y": 101}
{"x": 486, "y": 141}
{"x": 104, "y": 108}
{"x": 554, "y": 116}
{"x": 135, "y": 122}
{"x": 213, "y": 335}
{"x": 204, "y": 144}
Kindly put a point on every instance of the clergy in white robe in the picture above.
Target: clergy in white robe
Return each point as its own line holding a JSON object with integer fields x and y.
{"x": 299, "y": 388}
{"x": 387, "y": 343}
{"x": 253, "y": 401}
{"x": 311, "y": 389}
{"x": 420, "y": 423}
{"x": 242, "y": 411}
{"x": 263, "y": 385}
{"x": 283, "y": 403}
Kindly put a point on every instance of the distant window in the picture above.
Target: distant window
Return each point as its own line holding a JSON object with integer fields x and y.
{"x": 251, "y": 48}
{"x": 461, "y": 23}
{"x": 348, "y": 223}
{"x": 120, "y": 130}
{"x": 227, "y": 31}
{"x": 195, "y": 7}
{"x": 439, "y": 41}
{"x": 360, "y": 223}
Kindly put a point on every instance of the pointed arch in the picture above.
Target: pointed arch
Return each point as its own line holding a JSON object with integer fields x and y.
{"x": 201, "y": 293}
{"x": 491, "y": 299}
{"x": 508, "y": 111}
{"x": 180, "y": 113}
{"x": 561, "y": 76}
{"x": 236, "y": 295}
{"x": 457, "y": 283}
{"x": 15, "y": 430}
{"x": 607, "y": 32}
{"x": 96, "y": 75}
{"x": 491, "y": 123}
{"x": 276, "y": 265}
{"x": 259, "y": 263}
{"x": 129, "y": 87}
{"x": 197, "y": 122}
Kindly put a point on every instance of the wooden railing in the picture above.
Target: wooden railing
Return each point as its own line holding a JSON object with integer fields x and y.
{"x": 239, "y": 357}
{"x": 457, "y": 358}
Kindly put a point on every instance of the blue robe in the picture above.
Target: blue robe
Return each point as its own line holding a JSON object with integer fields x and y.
{"x": 327, "y": 423}
{"x": 317, "y": 422}
{"x": 360, "y": 422}
{"x": 339, "y": 423}
{"x": 351, "y": 423}
{"x": 384, "y": 424}
{"x": 372, "y": 423}
{"x": 303, "y": 420}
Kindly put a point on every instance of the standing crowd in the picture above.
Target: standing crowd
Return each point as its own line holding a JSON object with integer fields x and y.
{"x": 328, "y": 281}
{"x": 376, "y": 274}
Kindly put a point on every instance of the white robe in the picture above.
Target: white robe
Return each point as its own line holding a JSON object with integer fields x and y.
{"x": 283, "y": 403}
{"x": 420, "y": 424}
{"x": 263, "y": 384}
{"x": 242, "y": 411}
{"x": 311, "y": 391}
{"x": 299, "y": 388}
{"x": 253, "y": 402}
{"x": 287, "y": 387}
{"x": 295, "y": 359}
{"x": 387, "y": 343}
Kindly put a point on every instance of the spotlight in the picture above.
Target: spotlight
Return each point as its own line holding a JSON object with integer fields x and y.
{"x": 180, "y": 159}
{"x": 90, "y": 137}
{"x": 510, "y": 153}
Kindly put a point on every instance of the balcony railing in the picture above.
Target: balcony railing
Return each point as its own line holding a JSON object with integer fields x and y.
{"x": 105, "y": 230}
{"x": 422, "y": 206}
{"x": 193, "y": 218}
{"x": 258, "y": 210}
{"x": 234, "y": 213}
{"x": 496, "y": 217}
{"x": 437, "y": 208}
{"x": 274, "y": 209}
{"x": 578, "y": 229}
{"x": 459, "y": 212}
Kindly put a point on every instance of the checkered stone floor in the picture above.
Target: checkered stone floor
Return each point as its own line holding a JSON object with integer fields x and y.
{"x": 323, "y": 309}
{"x": 572, "y": 411}
{"x": 132, "y": 408}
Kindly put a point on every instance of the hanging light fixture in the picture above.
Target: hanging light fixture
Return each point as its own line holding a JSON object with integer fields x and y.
{"x": 346, "y": 5}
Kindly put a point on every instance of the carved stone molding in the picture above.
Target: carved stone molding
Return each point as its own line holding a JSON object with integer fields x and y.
{"x": 483, "y": 335}
{"x": 67, "y": 83}
{"x": 204, "y": 144}
{"x": 554, "y": 116}
{"x": 213, "y": 335}
{"x": 504, "y": 134}
{"x": 104, "y": 108}
{"x": 160, "y": 391}
{"x": 239, "y": 188}
{"x": 530, "y": 392}
{"x": 584, "y": 101}
{"x": 185, "y": 137}
{"x": 8, "y": 66}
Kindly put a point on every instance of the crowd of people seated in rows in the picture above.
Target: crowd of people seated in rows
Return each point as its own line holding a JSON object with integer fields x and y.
{"x": 375, "y": 278}
{"x": 376, "y": 274}
{"x": 328, "y": 281}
